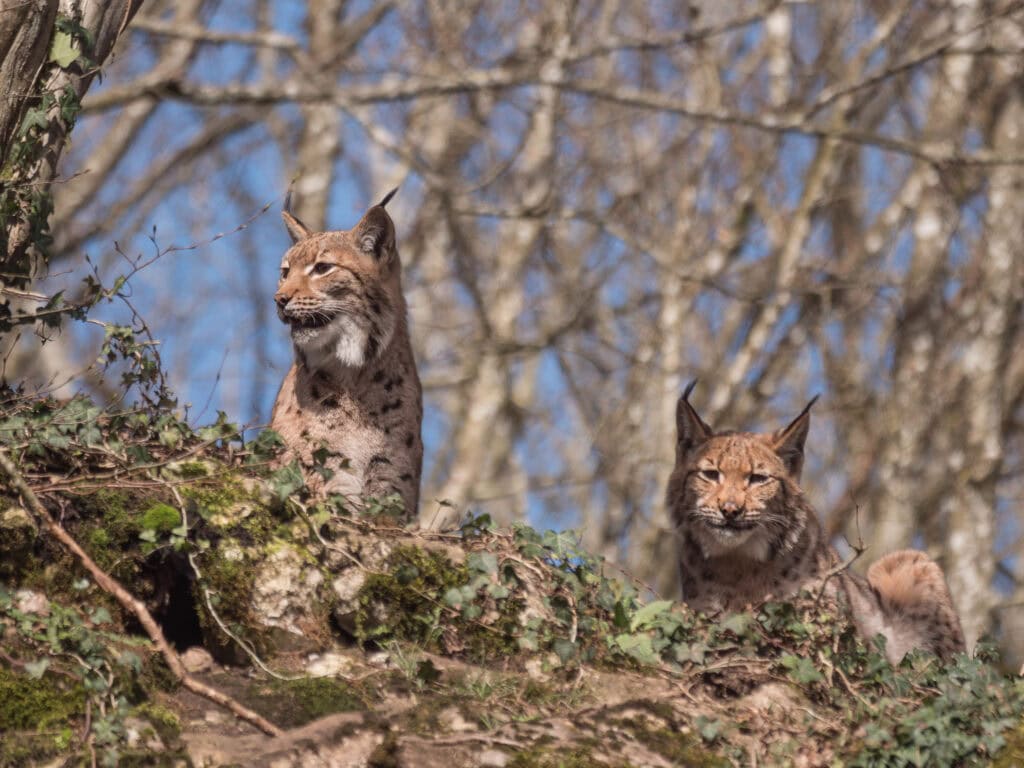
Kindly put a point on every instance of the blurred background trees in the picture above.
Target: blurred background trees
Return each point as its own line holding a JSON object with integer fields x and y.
{"x": 600, "y": 201}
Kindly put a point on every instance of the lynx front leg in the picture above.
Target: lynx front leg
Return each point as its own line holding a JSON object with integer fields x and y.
{"x": 383, "y": 478}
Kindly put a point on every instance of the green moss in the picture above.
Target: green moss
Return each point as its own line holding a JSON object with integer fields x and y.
{"x": 160, "y": 517}
{"x": 291, "y": 703}
{"x": 166, "y": 723}
{"x": 27, "y": 704}
{"x": 216, "y": 495}
{"x": 682, "y": 749}
{"x": 404, "y": 602}
{"x": 230, "y": 583}
{"x": 99, "y": 538}
{"x": 541, "y": 757}
{"x": 17, "y": 749}
{"x": 407, "y": 603}
{"x": 191, "y": 469}
{"x": 1012, "y": 755}
{"x": 110, "y": 509}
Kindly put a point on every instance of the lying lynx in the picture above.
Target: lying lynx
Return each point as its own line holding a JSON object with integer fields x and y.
{"x": 748, "y": 534}
{"x": 353, "y": 387}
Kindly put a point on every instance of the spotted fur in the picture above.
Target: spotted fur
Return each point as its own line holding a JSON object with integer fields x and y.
{"x": 747, "y": 534}
{"x": 353, "y": 387}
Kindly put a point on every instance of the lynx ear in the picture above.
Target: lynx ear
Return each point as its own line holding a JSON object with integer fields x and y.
{"x": 690, "y": 428}
{"x": 296, "y": 229}
{"x": 375, "y": 234}
{"x": 788, "y": 442}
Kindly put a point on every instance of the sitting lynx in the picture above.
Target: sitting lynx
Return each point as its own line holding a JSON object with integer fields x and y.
{"x": 748, "y": 534}
{"x": 353, "y": 387}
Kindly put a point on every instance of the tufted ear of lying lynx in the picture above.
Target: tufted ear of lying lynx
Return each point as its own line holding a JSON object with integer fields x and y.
{"x": 747, "y": 533}
{"x": 353, "y": 388}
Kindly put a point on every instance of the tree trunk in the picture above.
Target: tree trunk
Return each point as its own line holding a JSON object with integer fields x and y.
{"x": 49, "y": 69}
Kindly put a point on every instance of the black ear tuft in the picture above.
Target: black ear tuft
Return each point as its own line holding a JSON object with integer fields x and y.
{"x": 788, "y": 442}
{"x": 296, "y": 229}
{"x": 387, "y": 198}
{"x": 691, "y": 430}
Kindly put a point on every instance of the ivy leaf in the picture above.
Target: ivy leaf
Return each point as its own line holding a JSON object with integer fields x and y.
{"x": 482, "y": 562}
{"x": 36, "y": 669}
{"x": 708, "y": 728}
{"x": 564, "y": 649}
{"x": 100, "y": 616}
{"x": 638, "y": 647}
{"x": 63, "y": 50}
{"x": 645, "y": 615}
{"x": 801, "y": 670}
{"x": 737, "y": 623}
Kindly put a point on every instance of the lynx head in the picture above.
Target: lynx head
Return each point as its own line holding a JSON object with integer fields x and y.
{"x": 738, "y": 492}
{"x": 341, "y": 291}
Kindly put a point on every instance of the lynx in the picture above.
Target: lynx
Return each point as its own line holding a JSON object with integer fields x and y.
{"x": 353, "y": 387}
{"x": 747, "y": 534}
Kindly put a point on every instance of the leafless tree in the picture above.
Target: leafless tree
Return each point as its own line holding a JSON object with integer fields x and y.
{"x": 600, "y": 201}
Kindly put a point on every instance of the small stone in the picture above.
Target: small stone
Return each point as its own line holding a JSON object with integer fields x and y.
{"x": 535, "y": 669}
{"x": 138, "y": 732}
{"x": 492, "y": 758}
{"x": 285, "y": 590}
{"x": 379, "y": 659}
{"x": 328, "y": 664}
{"x": 30, "y": 601}
{"x": 214, "y": 717}
{"x": 451, "y": 719}
{"x": 347, "y": 585}
{"x": 197, "y": 659}
{"x": 17, "y": 517}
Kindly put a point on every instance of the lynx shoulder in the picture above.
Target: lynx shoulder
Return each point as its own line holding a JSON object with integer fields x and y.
{"x": 352, "y": 388}
{"x": 747, "y": 533}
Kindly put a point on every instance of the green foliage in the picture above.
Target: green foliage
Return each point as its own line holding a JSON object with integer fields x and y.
{"x": 70, "y": 662}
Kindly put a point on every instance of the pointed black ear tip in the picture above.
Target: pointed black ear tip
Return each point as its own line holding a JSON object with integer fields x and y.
{"x": 689, "y": 389}
{"x": 807, "y": 408}
{"x": 387, "y": 198}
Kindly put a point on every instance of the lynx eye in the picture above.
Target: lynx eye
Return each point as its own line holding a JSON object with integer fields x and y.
{"x": 710, "y": 474}
{"x": 322, "y": 268}
{"x": 756, "y": 479}
{"x": 284, "y": 272}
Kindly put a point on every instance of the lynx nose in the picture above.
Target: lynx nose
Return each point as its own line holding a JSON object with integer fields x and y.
{"x": 730, "y": 510}
{"x": 281, "y": 299}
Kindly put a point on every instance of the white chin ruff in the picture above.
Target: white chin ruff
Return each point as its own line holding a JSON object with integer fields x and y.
{"x": 342, "y": 341}
{"x": 751, "y": 543}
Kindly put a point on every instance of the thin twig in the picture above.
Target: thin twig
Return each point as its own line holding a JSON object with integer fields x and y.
{"x": 245, "y": 646}
{"x": 110, "y": 585}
